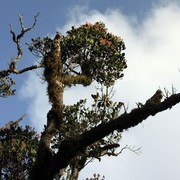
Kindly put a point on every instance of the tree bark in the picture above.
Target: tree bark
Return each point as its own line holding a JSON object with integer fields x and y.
{"x": 70, "y": 148}
{"x": 53, "y": 75}
{"x": 74, "y": 174}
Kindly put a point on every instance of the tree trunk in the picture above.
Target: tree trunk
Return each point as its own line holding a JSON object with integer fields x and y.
{"x": 74, "y": 174}
{"x": 53, "y": 75}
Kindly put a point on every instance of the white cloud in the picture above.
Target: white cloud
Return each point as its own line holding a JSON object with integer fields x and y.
{"x": 153, "y": 60}
{"x": 34, "y": 92}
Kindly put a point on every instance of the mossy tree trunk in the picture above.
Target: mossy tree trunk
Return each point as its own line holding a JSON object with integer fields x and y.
{"x": 53, "y": 75}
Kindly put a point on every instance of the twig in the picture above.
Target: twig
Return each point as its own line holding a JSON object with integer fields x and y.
{"x": 167, "y": 93}
{"x": 173, "y": 90}
{"x": 133, "y": 149}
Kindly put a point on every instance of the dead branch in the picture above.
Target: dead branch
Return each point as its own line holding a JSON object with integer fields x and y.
{"x": 17, "y": 38}
{"x": 12, "y": 123}
{"x": 132, "y": 149}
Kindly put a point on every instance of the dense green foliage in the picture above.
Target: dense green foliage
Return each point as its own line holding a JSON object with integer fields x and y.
{"x": 96, "y": 51}
{"x": 18, "y": 147}
{"x": 89, "y": 50}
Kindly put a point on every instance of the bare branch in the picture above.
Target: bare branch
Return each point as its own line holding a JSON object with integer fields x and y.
{"x": 4, "y": 73}
{"x": 24, "y": 29}
{"x": 133, "y": 149}
{"x": 11, "y": 123}
{"x": 16, "y": 39}
{"x": 13, "y": 34}
{"x": 173, "y": 90}
{"x": 28, "y": 69}
{"x": 167, "y": 92}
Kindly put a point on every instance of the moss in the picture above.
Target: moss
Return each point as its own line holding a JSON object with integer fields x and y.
{"x": 70, "y": 80}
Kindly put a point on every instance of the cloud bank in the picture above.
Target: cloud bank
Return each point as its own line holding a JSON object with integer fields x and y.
{"x": 153, "y": 57}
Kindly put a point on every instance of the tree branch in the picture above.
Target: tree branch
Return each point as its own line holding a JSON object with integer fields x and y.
{"x": 6, "y": 72}
{"x": 53, "y": 75}
{"x": 12, "y": 123}
{"x": 17, "y": 39}
{"x": 69, "y": 148}
{"x": 28, "y": 69}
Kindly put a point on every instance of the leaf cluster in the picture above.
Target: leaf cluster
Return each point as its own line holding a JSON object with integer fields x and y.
{"x": 79, "y": 118}
{"x": 89, "y": 50}
{"x": 97, "y": 52}
{"x": 18, "y": 147}
{"x": 40, "y": 47}
{"x": 6, "y": 83}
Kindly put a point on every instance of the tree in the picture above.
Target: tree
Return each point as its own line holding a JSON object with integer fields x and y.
{"x": 76, "y": 134}
{"x": 18, "y": 147}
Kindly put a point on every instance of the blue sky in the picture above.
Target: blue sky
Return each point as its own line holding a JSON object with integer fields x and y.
{"x": 150, "y": 30}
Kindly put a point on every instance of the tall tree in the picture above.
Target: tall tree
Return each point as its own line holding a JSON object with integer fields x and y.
{"x": 76, "y": 134}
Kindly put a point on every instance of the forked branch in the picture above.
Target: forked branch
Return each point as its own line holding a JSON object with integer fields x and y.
{"x": 17, "y": 40}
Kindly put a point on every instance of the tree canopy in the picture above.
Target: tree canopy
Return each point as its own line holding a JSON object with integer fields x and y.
{"x": 75, "y": 134}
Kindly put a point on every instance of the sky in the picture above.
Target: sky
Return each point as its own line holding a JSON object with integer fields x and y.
{"x": 151, "y": 32}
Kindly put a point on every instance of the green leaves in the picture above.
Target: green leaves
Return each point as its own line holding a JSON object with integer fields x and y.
{"x": 97, "y": 52}
{"x": 40, "y": 47}
{"x": 79, "y": 118}
{"x": 18, "y": 147}
{"x": 5, "y": 86}
{"x": 88, "y": 50}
